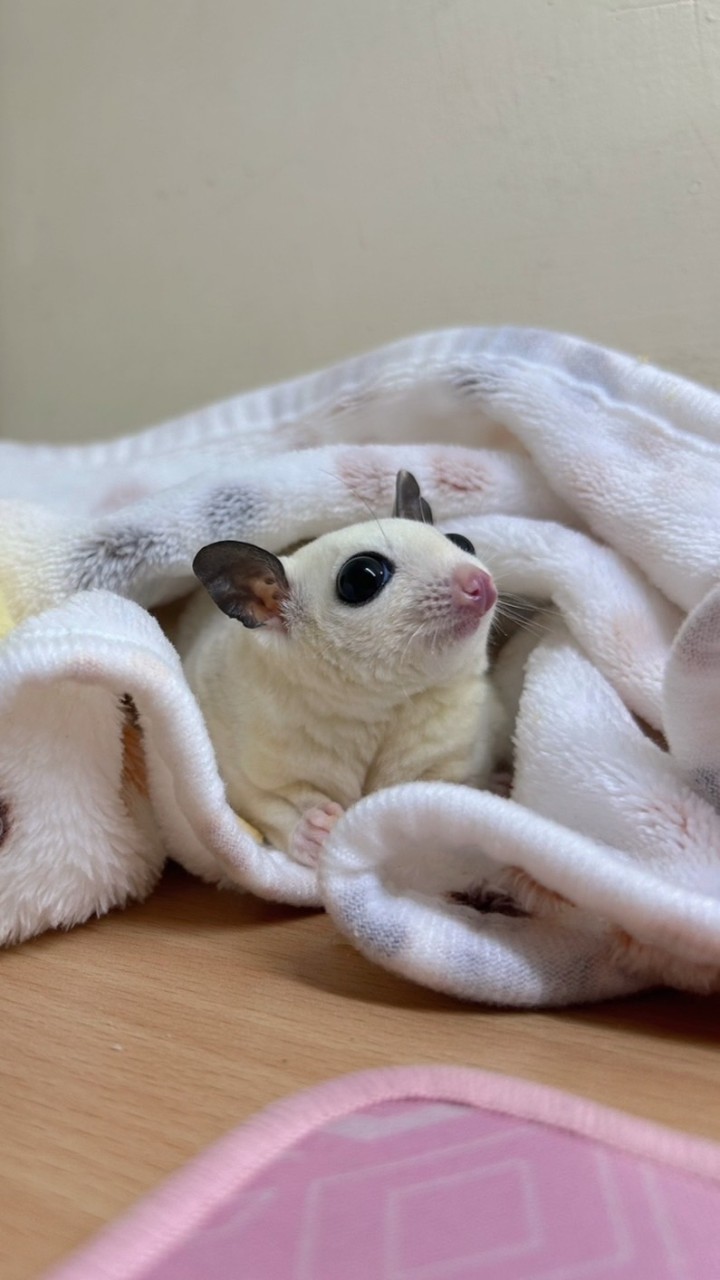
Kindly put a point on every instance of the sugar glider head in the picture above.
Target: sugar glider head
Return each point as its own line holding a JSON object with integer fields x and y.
{"x": 385, "y": 599}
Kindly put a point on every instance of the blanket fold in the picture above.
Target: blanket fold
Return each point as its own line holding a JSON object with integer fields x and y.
{"x": 589, "y": 483}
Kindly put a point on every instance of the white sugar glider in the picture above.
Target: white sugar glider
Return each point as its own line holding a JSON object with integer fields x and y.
{"x": 360, "y": 662}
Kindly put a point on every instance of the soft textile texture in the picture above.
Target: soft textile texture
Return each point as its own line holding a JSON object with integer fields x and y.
{"x": 585, "y": 478}
{"x": 427, "y": 1173}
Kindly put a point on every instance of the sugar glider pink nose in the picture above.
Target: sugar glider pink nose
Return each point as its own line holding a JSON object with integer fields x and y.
{"x": 474, "y": 589}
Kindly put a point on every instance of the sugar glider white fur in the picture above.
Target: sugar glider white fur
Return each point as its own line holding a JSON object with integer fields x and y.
{"x": 360, "y": 661}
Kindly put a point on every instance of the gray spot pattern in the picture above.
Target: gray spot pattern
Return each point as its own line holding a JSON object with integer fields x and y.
{"x": 377, "y": 933}
{"x": 706, "y": 781}
{"x": 481, "y": 384}
{"x": 488, "y": 901}
{"x": 114, "y": 558}
{"x": 230, "y": 511}
{"x": 118, "y": 555}
{"x": 466, "y": 382}
{"x": 5, "y": 822}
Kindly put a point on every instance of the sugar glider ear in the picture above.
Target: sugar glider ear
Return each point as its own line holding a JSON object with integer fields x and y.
{"x": 246, "y": 582}
{"x": 409, "y": 502}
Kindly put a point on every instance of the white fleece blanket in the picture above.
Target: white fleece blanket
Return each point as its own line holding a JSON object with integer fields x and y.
{"x": 585, "y": 478}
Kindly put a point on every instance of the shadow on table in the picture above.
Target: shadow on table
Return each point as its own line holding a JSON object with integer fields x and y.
{"x": 331, "y": 964}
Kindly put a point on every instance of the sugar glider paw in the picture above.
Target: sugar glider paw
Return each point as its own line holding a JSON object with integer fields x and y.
{"x": 312, "y": 831}
{"x": 501, "y": 781}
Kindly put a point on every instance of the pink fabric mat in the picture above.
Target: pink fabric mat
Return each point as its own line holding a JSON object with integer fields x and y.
{"x": 427, "y": 1173}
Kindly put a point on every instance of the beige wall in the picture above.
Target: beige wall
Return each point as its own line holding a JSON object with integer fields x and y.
{"x": 202, "y": 195}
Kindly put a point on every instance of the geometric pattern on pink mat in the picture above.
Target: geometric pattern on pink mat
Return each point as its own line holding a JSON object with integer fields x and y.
{"x": 422, "y": 1191}
{"x": 427, "y": 1173}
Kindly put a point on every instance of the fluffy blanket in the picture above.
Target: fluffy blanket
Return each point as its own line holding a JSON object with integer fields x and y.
{"x": 587, "y": 480}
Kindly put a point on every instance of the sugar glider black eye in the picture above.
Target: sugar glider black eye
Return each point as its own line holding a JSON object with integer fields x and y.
{"x": 462, "y": 542}
{"x": 362, "y": 577}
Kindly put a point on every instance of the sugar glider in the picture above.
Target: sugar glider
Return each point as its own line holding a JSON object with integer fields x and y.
{"x": 358, "y": 662}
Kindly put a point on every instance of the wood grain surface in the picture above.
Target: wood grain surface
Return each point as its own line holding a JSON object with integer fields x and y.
{"x": 131, "y": 1043}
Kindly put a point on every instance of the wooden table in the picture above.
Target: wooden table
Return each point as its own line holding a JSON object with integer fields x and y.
{"x": 131, "y": 1043}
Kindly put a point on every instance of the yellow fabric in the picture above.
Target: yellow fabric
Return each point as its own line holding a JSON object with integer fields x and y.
{"x": 7, "y": 622}
{"x": 252, "y": 831}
